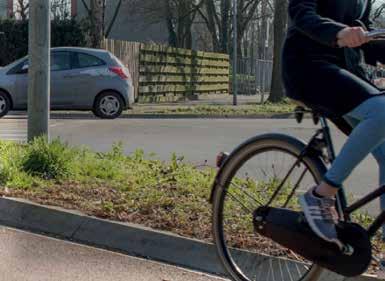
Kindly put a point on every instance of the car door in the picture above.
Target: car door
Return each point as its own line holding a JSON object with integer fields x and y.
{"x": 20, "y": 73}
{"x": 61, "y": 80}
{"x": 87, "y": 71}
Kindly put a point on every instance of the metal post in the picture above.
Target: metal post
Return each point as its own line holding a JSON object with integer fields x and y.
{"x": 3, "y": 42}
{"x": 235, "y": 52}
{"x": 39, "y": 69}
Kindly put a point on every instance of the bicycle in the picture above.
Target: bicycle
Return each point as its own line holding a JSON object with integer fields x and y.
{"x": 257, "y": 223}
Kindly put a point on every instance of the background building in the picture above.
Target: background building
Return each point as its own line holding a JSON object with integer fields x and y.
{"x": 6, "y": 8}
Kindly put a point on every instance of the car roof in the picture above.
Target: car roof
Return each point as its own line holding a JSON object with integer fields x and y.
{"x": 80, "y": 49}
{"x": 103, "y": 54}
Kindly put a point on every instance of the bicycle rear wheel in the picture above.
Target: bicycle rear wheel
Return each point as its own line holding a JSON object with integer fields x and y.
{"x": 247, "y": 180}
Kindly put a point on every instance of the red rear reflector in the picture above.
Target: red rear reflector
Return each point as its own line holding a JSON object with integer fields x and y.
{"x": 221, "y": 157}
{"x": 119, "y": 71}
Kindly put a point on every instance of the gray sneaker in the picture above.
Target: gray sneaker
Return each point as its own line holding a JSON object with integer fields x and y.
{"x": 322, "y": 216}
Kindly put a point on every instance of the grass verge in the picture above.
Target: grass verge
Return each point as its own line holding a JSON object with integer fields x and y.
{"x": 136, "y": 188}
{"x": 217, "y": 110}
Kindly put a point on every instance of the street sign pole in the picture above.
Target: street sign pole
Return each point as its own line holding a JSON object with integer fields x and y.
{"x": 235, "y": 52}
{"x": 39, "y": 69}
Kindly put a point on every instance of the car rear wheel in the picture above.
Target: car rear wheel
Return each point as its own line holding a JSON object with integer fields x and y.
{"x": 108, "y": 105}
{"x": 95, "y": 113}
{"x": 5, "y": 104}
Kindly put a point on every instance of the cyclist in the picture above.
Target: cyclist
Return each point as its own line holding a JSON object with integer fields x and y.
{"x": 323, "y": 67}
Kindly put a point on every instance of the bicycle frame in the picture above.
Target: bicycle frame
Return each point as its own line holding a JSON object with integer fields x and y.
{"x": 379, "y": 221}
{"x": 342, "y": 206}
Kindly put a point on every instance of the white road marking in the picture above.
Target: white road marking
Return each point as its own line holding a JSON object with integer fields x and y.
{"x": 13, "y": 130}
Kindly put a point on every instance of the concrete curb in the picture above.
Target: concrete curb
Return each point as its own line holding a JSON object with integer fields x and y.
{"x": 127, "y": 238}
{"x": 206, "y": 116}
{"x": 90, "y": 116}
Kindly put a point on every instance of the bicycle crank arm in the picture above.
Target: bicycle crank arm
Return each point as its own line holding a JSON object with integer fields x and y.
{"x": 347, "y": 250}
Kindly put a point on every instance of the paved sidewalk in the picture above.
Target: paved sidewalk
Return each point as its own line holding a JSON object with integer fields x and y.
{"x": 30, "y": 257}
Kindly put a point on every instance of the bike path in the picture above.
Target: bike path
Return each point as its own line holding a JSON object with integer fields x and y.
{"x": 30, "y": 257}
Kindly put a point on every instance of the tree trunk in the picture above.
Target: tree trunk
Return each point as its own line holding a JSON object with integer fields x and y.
{"x": 172, "y": 38}
{"x": 188, "y": 37}
{"x": 263, "y": 31}
{"x": 224, "y": 34}
{"x": 96, "y": 7}
{"x": 239, "y": 48}
{"x": 212, "y": 25}
{"x": 280, "y": 23}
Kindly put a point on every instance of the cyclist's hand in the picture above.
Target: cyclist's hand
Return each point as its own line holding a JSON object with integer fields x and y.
{"x": 352, "y": 37}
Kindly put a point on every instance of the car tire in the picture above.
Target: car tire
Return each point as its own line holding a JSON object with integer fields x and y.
{"x": 95, "y": 113}
{"x": 5, "y": 104}
{"x": 108, "y": 105}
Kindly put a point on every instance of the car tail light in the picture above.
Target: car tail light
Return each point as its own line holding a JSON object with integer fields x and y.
{"x": 119, "y": 71}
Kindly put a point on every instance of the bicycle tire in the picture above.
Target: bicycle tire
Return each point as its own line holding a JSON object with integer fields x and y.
{"x": 230, "y": 167}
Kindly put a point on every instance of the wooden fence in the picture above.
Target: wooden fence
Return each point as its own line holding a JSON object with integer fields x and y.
{"x": 160, "y": 70}
{"x": 128, "y": 53}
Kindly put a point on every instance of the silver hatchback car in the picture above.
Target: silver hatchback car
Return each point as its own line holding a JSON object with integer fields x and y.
{"x": 81, "y": 79}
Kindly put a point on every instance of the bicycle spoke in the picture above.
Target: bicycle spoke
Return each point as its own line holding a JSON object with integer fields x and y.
{"x": 296, "y": 266}
{"x": 283, "y": 182}
{"x": 289, "y": 271}
{"x": 240, "y": 203}
{"x": 274, "y": 173}
{"x": 280, "y": 269}
{"x": 263, "y": 172}
{"x": 272, "y": 269}
{"x": 295, "y": 188}
{"x": 268, "y": 272}
{"x": 259, "y": 275}
{"x": 247, "y": 193}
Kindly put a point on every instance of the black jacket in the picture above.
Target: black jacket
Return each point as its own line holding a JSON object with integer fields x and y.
{"x": 313, "y": 28}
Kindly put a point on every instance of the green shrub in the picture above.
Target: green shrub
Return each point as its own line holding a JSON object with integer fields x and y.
{"x": 14, "y": 42}
{"x": 54, "y": 160}
{"x": 10, "y": 160}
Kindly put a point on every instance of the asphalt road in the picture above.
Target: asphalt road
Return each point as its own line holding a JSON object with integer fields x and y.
{"x": 196, "y": 139}
{"x": 29, "y": 257}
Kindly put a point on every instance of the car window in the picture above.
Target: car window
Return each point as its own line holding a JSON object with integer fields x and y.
{"x": 84, "y": 60}
{"x": 21, "y": 68}
{"x": 60, "y": 61}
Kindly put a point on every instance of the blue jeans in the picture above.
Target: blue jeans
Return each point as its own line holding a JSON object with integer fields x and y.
{"x": 368, "y": 136}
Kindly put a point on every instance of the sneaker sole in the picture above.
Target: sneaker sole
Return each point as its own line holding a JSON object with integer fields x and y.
{"x": 312, "y": 225}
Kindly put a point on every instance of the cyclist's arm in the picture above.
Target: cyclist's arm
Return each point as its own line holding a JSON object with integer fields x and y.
{"x": 374, "y": 50}
{"x": 304, "y": 16}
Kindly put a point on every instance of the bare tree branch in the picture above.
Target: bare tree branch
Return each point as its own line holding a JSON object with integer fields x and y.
{"x": 86, "y": 7}
{"x": 114, "y": 17}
